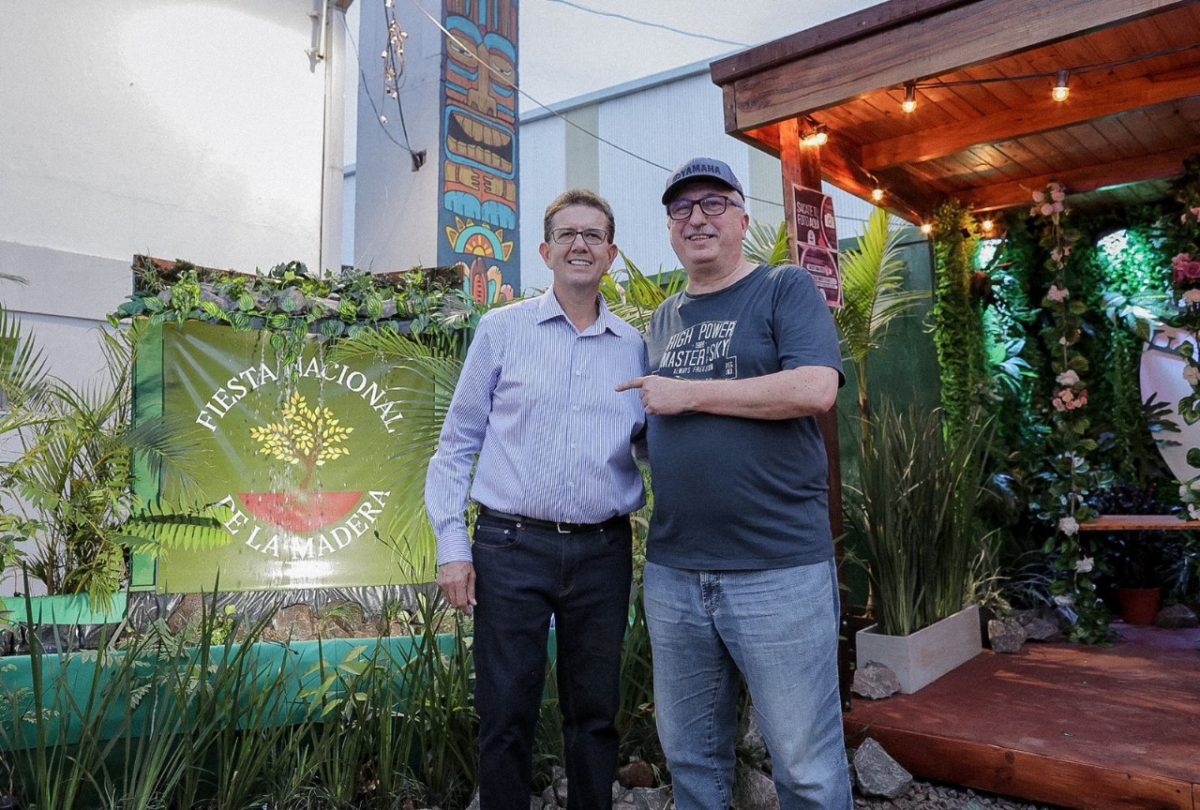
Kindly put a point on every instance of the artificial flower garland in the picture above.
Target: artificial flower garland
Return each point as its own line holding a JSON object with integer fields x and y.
{"x": 1072, "y": 588}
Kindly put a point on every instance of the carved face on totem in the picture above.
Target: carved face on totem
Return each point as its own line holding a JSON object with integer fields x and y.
{"x": 479, "y": 150}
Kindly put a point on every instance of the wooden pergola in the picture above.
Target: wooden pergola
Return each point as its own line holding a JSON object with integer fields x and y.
{"x": 985, "y": 130}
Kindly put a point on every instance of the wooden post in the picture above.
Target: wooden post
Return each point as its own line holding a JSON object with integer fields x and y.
{"x": 802, "y": 167}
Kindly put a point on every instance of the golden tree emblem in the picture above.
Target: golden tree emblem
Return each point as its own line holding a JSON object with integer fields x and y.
{"x": 305, "y": 436}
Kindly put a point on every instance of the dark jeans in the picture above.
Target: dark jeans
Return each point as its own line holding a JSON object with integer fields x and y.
{"x": 525, "y": 574}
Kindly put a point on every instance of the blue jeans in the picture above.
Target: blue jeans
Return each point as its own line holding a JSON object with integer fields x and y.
{"x": 523, "y": 575}
{"x": 778, "y": 628}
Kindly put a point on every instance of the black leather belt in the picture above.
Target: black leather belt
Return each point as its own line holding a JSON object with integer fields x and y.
{"x": 562, "y": 527}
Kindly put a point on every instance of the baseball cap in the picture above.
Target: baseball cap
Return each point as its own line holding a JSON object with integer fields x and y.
{"x": 701, "y": 168}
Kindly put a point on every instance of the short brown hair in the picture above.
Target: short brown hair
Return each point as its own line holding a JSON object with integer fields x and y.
{"x": 579, "y": 196}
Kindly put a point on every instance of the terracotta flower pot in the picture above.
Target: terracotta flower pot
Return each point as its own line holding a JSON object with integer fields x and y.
{"x": 1139, "y": 605}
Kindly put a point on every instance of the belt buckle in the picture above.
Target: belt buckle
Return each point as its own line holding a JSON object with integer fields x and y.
{"x": 558, "y": 527}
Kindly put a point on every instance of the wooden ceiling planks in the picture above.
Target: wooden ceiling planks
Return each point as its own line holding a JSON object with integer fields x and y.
{"x": 990, "y": 141}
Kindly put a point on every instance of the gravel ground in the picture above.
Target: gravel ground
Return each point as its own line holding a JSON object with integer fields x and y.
{"x": 926, "y": 796}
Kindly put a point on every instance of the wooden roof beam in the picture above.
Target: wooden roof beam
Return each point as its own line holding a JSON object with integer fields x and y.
{"x": 1157, "y": 166}
{"x": 957, "y": 37}
{"x": 1085, "y": 104}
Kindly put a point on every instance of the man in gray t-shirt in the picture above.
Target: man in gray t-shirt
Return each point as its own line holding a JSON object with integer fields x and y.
{"x": 740, "y": 576}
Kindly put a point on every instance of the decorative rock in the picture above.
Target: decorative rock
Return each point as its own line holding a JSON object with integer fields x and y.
{"x": 635, "y": 774}
{"x": 877, "y": 774}
{"x": 399, "y": 628}
{"x": 619, "y": 792}
{"x": 291, "y": 300}
{"x": 753, "y": 747}
{"x": 1006, "y": 635}
{"x": 535, "y": 802}
{"x": 651, "y": 798}
{"x": 1039, "y": 629}
{"x": 1177, "y": 616}
{"x": 292, "y": 623}
{"x": 548, "y": 799}
{"x": 875, "y": 681}
{"x": 560, "y": 786}
{"x": 754, "y": 790}
{"x": 190, "y": 609}
{"x": 474, "y": 805}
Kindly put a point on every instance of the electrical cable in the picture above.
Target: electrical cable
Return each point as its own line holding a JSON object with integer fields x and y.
{"x": 649, "y": 24}
{"x": 509, "y": 82}
{"x": 366, "y": 91}
{"x": 1049, "y": 74}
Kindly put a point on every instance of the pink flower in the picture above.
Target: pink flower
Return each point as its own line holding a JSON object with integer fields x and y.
{"x": 1057, "y": 194}
{"x": 1046, "y": 210}
{"x": 1185, "y": 271}
{"x": 1039, "y": 196}
{"x": 1057, "y": 294}
{"x": 1068, "y": 378}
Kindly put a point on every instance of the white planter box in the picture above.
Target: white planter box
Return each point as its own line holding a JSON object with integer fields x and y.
{"x": 922, "y": 657}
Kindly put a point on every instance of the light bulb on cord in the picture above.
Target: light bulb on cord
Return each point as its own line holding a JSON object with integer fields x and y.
{"x": 987, "y": 225}
{"x": 877, "y": 194}
{"x": 1061, "y": 86}
{"x": 926, "y": 228}
{"x": 817, "y": 136}
{"x": 909, "y": 104}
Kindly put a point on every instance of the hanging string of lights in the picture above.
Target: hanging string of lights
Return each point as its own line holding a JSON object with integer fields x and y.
{"x": 815, "y": 133}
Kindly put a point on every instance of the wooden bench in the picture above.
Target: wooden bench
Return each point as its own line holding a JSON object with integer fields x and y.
{"x": 1139, "y": 523}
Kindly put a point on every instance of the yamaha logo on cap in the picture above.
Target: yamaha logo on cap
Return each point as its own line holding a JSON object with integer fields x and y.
{"x": 701, "y": 168}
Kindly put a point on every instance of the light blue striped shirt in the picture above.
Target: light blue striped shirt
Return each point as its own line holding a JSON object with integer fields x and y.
{"x": 536, "y": 401}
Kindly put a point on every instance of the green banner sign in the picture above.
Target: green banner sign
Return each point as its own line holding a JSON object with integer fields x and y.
{"x": 300, "y": 454}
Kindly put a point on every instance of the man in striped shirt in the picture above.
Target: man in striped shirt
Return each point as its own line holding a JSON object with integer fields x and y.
{"x": 555, "y": 483}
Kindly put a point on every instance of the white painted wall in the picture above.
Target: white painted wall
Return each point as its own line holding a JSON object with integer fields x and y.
{"x": 188, "y": 129}
{"x": 396, "y": 208}
{"x": 179, "y": 129}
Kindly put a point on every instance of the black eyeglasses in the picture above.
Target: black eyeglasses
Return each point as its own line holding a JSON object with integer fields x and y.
{"x": 566, "y": 236}
{"x": 711, "y": 206}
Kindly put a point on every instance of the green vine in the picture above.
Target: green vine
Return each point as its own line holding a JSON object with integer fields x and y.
{"x": 1185, "y": 276}
{"x": 958, "y": 320}
{"x": 289, "y": 302}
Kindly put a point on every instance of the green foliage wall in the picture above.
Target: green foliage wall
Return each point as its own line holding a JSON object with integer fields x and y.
{"x": 957, "y": 319}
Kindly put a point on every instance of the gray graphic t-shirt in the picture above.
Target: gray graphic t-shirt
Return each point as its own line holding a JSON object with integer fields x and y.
{"x": 735, "y": 493}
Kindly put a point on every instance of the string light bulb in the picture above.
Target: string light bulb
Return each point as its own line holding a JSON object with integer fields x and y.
{"x": 926, "y": 228}
{"x": 817, "y": 134}
{"x": 1062, "y": 87}
{"x": 987, "y": 225}
{"x": 877, "y": 194}
{"x": 909, "y": 105}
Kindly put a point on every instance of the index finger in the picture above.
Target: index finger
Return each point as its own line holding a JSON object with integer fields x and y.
{"x": 636, "y": 382}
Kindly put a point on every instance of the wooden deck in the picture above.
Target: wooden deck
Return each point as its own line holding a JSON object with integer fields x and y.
{"x": 1075, "y": 726}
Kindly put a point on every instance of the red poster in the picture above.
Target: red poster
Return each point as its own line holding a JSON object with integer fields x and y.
{"x": 816, "y": 241}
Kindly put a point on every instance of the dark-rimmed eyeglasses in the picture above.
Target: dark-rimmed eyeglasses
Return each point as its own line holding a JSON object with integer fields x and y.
{"x": 711, "y": 206}
{"x": 566, "y": 236}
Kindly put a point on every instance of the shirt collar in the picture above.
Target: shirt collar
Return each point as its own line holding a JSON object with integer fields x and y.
{"x": 548, "y": 308}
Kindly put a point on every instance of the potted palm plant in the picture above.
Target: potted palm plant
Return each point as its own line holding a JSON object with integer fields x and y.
{"x": 916, "y": 498}
{"x": 915, "y": 506}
